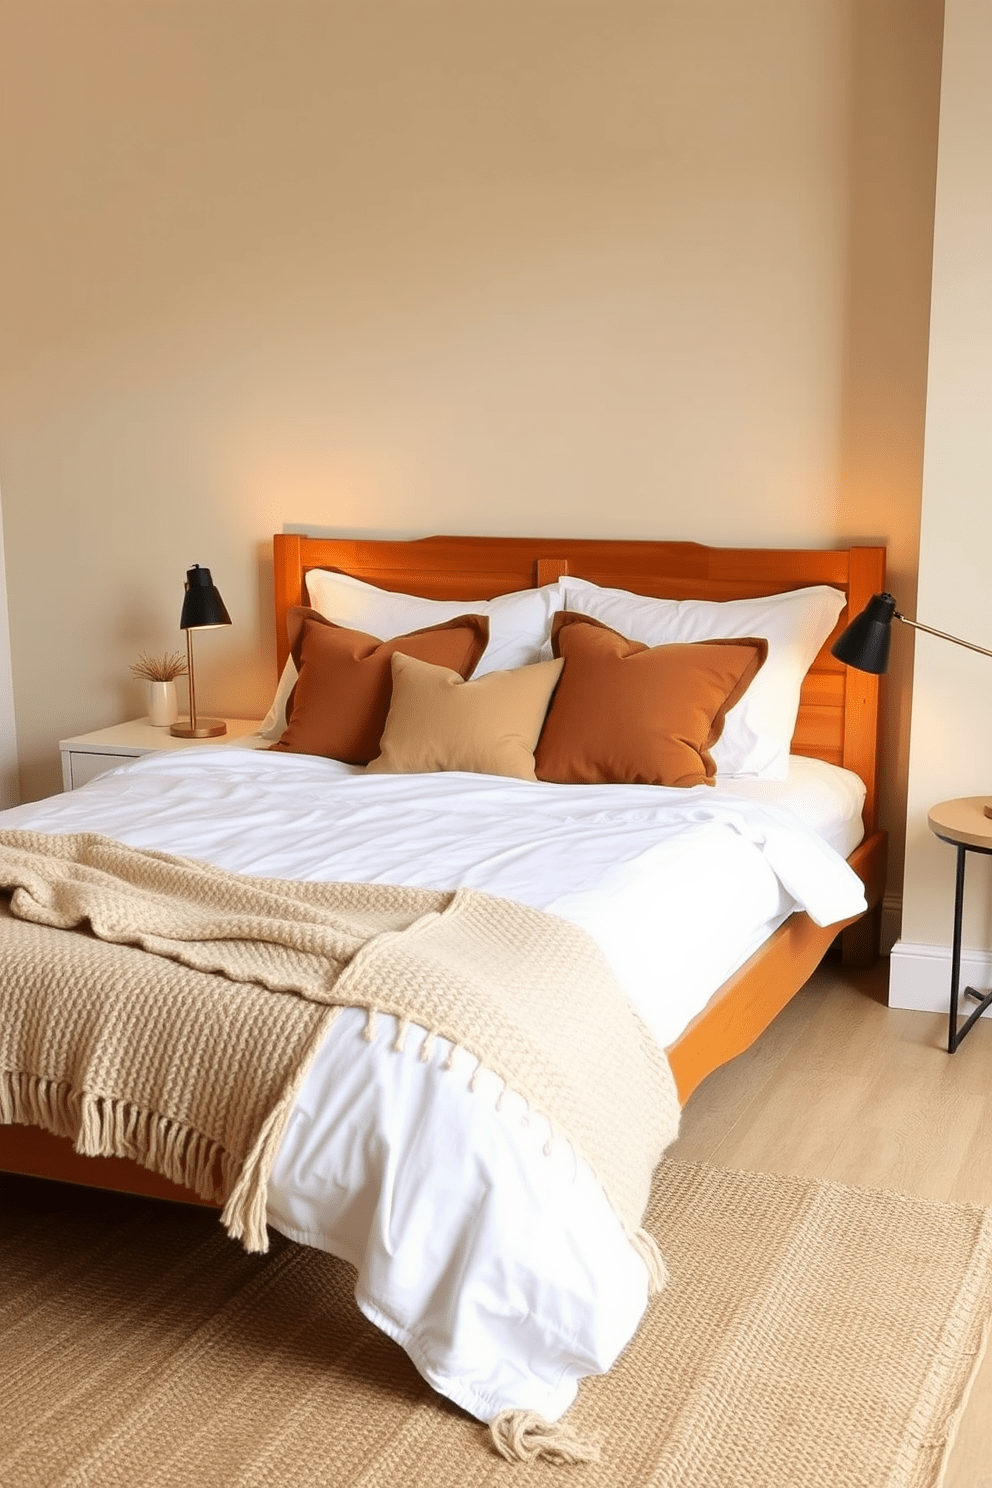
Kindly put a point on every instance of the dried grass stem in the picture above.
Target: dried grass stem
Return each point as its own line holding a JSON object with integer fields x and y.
{"x": 164, "y": 668}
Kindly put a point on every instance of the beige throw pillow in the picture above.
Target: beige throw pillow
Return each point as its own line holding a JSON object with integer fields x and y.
{"x": 437, "y": 721}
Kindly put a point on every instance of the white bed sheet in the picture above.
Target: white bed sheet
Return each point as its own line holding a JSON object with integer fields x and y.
{"x": 499, "y": 1267}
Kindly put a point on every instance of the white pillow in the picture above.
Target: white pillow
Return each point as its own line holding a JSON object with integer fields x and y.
{"x": 758, "y": 730}
{"x": 519, "y": 624}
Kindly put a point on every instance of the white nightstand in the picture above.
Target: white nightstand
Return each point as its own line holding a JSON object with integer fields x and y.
{"x": 87, "y": 755}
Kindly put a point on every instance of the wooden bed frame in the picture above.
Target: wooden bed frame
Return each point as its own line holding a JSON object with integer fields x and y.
{"x": 838, "y": 722}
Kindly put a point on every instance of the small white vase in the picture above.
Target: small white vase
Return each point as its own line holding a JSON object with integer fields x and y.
{"x": 163, "y": 705}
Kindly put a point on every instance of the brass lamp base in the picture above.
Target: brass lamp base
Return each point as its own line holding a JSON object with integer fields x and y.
{"x": 205, "y": 728}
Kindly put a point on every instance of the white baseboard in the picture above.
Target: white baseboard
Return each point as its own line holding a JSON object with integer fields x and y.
{"x": 920, "y": 976}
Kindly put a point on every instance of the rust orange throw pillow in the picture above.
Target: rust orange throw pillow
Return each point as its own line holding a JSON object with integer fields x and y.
{"x": 339, "y": 705}
{"x": 625, "y": 713}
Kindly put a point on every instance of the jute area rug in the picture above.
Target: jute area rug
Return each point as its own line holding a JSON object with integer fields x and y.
{"x": 811, "y": 1335}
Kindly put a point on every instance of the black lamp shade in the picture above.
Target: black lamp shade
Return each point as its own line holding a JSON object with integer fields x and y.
{"x": 202, "y": 604}
{"x": 864, "y": 645}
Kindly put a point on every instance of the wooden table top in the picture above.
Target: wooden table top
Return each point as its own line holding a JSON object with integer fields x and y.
{"x": 964, "y": 820}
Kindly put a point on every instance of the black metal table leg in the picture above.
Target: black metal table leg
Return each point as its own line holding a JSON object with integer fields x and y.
{"x": 982, "y": 999}
{"x": 953, "y": 1038}
{"x": 967, "y": 825}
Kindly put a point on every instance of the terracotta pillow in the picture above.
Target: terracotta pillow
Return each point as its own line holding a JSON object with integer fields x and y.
{"x": 438, "y": 721}
{"x": 339, "y": 705}
{"x": 627, "y": 713}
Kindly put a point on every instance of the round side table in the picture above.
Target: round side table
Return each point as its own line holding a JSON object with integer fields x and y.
{"x": 966, "y": 826}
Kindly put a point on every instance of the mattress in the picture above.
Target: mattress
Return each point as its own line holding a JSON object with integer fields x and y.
{"x": 488, "y": 1251}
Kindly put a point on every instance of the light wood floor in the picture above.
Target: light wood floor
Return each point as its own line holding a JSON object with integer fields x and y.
{"x": 844, "y": 1088}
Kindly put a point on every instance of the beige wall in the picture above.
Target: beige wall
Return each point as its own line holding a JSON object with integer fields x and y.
{"x": 541, "y": 266}
{"x": 9, "y": 782}
{"x": 952, "y": 715}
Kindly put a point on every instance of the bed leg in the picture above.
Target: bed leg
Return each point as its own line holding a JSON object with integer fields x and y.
{"x": 860, "y": 942}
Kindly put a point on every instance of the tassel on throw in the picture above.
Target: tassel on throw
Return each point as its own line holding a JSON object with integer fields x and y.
{"x": 647, "y": 1248}
{"x": 524, "y": 1436}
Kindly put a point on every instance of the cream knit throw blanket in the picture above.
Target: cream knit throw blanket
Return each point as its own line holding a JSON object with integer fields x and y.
{"x": 185, "y": 1060}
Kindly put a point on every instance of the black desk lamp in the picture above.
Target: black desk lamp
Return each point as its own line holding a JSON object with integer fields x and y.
{"x": 203, "y": 609}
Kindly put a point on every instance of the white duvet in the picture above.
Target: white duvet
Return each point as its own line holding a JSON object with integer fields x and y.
{"x": 497, "y": 1264}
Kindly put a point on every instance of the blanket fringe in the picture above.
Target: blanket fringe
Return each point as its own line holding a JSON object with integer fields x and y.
{"x": 243, "y": 1215}
{"x": 101, "y": 1127}
{"x": 647, "y": 1248}
{"x": 399, "y": 1042}
{"x": 32, "y": 1100}
{"x": 525, "y": 1436}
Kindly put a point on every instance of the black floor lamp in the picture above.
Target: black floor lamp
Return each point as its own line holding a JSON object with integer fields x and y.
{"x": 864, "y": 645}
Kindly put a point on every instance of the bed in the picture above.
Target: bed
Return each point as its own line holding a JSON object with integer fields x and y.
{"x": 836, "y": 730}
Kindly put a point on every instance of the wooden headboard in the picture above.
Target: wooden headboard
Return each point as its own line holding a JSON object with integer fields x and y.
{"x": 838, "y": 712}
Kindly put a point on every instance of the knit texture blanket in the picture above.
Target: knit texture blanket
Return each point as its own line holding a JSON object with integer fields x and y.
{"x": 177, "y": 1022}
